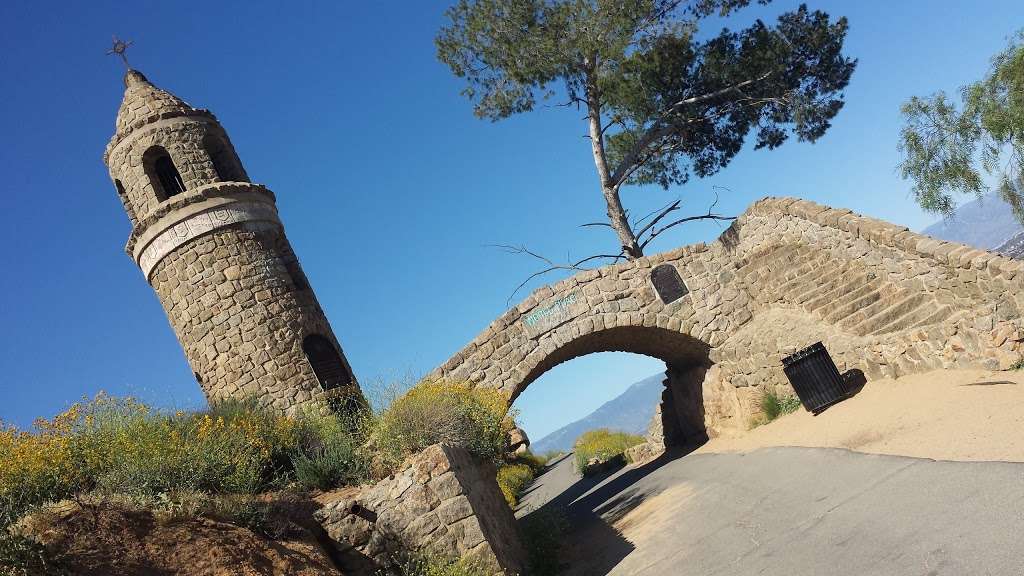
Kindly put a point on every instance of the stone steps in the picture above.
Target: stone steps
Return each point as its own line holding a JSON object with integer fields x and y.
{"x": 891, "y": 316}
{"x": 891, "y": 297}
{"x": 818, "y": 271}
{"x": 856, "y": 302}
{"x": 859, "y": 303}
{"x": 844, "y": 288}
{"x": 811, "y": 290}
{"x": 807, "y": 274}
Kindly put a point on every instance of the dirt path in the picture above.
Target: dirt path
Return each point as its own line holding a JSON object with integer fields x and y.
{"x": 965, "y": 415}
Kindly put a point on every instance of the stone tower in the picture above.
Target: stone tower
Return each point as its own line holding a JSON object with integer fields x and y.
{"x": 212, "y": 246}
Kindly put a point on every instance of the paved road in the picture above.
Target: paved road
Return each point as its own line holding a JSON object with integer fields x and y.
{"x": 792, "y": 512}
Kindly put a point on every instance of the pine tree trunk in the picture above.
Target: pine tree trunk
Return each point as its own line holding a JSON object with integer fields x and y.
{"x": 616, "y": 214}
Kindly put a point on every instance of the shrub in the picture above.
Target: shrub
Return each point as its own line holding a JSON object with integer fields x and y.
{"x": 476, "y": 419}
{"x": 512, "y": 478}
{"x": 774, "y": 405}
{"x": 120, "y": 446}
{"x": 552, "y": 455}
{"x": 543, "y": 531}
{"x": 433, "y": 566}
{"x": 603, "y": 444}
{"x": 328, "y": 454}
{"x": 535, "y": 462}
{"x": 232, "y": 448}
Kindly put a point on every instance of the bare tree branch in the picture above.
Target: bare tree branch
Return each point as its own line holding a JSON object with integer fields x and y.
{"x": 710, "y": 215}
{"x": 551, "y": 266}
{"x": 665, "y": 212}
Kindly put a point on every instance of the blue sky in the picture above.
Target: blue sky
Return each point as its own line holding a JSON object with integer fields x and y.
{"x": 391, "y": 191}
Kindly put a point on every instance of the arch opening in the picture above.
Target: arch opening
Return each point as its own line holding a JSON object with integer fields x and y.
{"x": 163, "y": 174}
{"x": 326, "y": 362}
{"x": 226, "y": 165}
{"x": 123, "y": 195}
{"x": 685, "y": 365}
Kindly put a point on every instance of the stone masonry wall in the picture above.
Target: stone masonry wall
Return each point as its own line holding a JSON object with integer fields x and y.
{"x": 240, "y": 306}
{"x": 788, "y": 273}
{"x": 443, "y": 502}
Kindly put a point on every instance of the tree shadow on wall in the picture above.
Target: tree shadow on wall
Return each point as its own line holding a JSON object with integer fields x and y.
{"x": 592, "y": 545}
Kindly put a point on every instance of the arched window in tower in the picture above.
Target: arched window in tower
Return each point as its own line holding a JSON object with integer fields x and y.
{"x": 225, "y": 162}
{"x": 162, "y": 173}
{"x": 326, "y": 362}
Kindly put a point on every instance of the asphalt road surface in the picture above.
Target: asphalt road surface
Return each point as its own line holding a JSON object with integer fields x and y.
{"x": 790, "y": 512}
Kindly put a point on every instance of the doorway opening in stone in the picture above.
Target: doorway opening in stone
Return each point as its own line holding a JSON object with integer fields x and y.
{"x": 622, "y": 379}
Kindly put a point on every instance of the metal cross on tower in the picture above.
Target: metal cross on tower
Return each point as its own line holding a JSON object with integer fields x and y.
{"x": 119, "y": 47}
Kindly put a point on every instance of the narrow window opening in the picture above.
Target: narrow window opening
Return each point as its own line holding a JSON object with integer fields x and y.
{"x": 326, "y": 362}
{"x": 170, "y": 180}
{"x": 163, "y": 175}
{"x": 297, "y": 275}
{"x": 225, "y": 163}
{"x": 124, "y": 199}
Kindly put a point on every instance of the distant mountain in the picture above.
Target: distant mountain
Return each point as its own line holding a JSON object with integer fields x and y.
{"x": 1014, "y": 247}
{"x": 631, "y": 411}
{"x": 985, "y": 223}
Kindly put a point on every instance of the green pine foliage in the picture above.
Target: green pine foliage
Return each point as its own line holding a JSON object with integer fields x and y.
{"x": 661, "y": 101}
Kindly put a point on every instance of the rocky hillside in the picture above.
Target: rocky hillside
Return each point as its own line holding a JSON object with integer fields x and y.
{"x": 630, "y": 411}
{"x": 986, "y": 223}
{"x": 1014, "y": 247}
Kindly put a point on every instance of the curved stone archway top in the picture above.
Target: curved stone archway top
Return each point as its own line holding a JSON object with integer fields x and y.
{"x": 786, "y": 274}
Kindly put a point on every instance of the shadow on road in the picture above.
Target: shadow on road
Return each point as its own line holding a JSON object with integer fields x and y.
{"x": 592, "y": 504}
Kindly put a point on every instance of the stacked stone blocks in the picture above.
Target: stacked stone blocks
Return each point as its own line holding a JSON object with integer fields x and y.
{"x": 788, "y": 273}
{"x": 443, "y": 503}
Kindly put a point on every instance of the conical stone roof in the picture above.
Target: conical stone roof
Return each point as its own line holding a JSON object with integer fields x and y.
{"x": 143, "y": 100}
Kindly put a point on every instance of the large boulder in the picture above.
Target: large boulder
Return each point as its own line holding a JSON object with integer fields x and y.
{"x": 443, "y": 502}
{"x": 518, "y": 441}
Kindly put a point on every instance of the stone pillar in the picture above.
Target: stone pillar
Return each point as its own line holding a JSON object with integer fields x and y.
{"x": 443, "y": 502}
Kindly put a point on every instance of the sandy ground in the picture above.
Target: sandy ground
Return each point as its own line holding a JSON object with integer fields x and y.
{"x": 967, "y": 415}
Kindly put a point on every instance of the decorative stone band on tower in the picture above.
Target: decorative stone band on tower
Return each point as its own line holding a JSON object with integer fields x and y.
{"x": 212, "y": 245}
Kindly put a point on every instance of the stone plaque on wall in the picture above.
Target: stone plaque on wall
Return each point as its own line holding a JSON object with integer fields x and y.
{"x": 668, "y": 284}
{"x": 552, "y": 314}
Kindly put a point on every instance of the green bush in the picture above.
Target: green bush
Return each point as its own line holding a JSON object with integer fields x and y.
{"x": 329, "y": 453}
{"x": 603, "y": 444}
{"x": 774, "y": 405}
{"x": 535, "y": 462}
{"x": 477, "y": 419}
{"x": 543, "y": 531}
{"x": 432, "y": 566}
{"x": 552, "y": 455}
{"x": 512, "y": 478}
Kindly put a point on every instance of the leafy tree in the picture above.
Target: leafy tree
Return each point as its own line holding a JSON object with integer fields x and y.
{"x": 947, "y": 150}
{"x": 661, "y": 102}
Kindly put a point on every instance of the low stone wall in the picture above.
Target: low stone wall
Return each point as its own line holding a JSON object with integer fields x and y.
{"x": 443, "y": 502}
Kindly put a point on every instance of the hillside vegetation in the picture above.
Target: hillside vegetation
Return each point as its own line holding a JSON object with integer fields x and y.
{"x": 596, "y": 449}
{"x": 233, "y": 463}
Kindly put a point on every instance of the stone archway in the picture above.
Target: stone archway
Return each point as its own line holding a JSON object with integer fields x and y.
{"x": 786, "y": 274}
{"x": 680, "y": 419}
